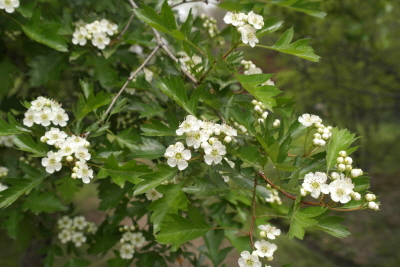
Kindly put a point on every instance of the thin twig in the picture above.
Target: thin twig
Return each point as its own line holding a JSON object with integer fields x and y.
{"x": 131, "y": 78}
{"x": 187, "y": 2}
{"x": 126, "y": 26}
{"x": 253, "y": 212}
{"x": 227, "y": 228}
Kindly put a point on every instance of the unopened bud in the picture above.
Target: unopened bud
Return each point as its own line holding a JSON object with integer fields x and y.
{"x": 69, "y": 158}
{"x": 335, "y": 176}
{"x": 74, "y": 169}
{"x": 348, "y": 160}
{"x": 343, "y": 154}
{"x": 276, "y": 123}
{"x": 373, "y": 206}
{"x": 227, "y": 139}
{"x": 355, "y": 196}
{"x": 73, "y": 176}
{"x": 303, "y": 192}
{"x": 217, "y": 131}
{"x": 263, "y": 234}
{"x": 260, "y": 121}
{"x": 370, "y": 197}
{"x": 341, "y": 167}
{"x": 325, "y": 136}
{"x": 43, "y": 139}
{"x": 340, "y": 160}
{"x": 87, "y": 144}
{"x": 356, "y": 172}
{"x": 257, "y": 108}
{"x": 349, "y": 167}
{"x": 264, "y": 115}
{"x": 317, "y": 136}
{"x": 254, "y": 102}
{"x": 320, "y": 130}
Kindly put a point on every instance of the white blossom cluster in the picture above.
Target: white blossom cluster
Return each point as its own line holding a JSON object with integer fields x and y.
{"x": 98, "y": 32}
{"x": 153, "y": 194}
{"x": 129, "y": 241}
{"x": 74, "y": 229}
{"x": 260, "y": 110}
{"x": 70, "y": 148}
{"x": 344, "y": 164}
{"x": 247, "y": 25}
{"x": 210, "y": 24}
{"x": 273, "y": 196}
{"x": 200, "y": 134}
{"x": 3, "y": 171}
{"x": 263, "y": 248}
{"x": 9, "y": 5}
{"x": 44, "y": 111}
{"x": 323, "y": 133}
{"x": 250, "y": 67}
{"x": 7, "y": 141}
{"x": 191, "y": 64}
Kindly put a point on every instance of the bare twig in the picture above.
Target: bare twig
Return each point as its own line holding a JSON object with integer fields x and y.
{"x": 126, "y": 26}
{"x": 187, "y": 2}
{"x": 131, "y": 78}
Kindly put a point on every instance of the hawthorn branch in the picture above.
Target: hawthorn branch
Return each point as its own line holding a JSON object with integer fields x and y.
{"x": 131, "y": 78}
{"x": 187, "y": 2}
{"x": 253, "y": 212}
{"x": 126, "y": 26}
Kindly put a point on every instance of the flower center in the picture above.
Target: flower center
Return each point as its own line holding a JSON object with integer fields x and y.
{"x": 249, "y": 262}
{"x": 178, "y": 156}
{"x": 315, "y": 185}
{"x": 215, "y": 152}
{"x": 340, "y": 192}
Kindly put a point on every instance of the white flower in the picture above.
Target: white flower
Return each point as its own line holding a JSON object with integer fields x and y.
{"x": 64, "y": 222}
{"x": 269, "y": 82}
{"x": 196, "y": 138}
{"x": 214, "y": 152}
{"x": 44, "y": 116}
{"x": 265, "y": 248}
{"x": 308, "y": 119}
{"x": 236, "y": 19}
{"x": 76, "y": 140}
{"x": 256, "y": 20}
{"x": 79, "y": 36}
{"x": 60, "y": 118}
{"x": 29, "y": 118}
{"x": 153, "y": 194}
{"x": 79, "y": 222}
{"x": 253, "y": 71}
{"x": 65, "y": 235}
{"x": 55, "y": 136}
{"x": 126, "y": 251}
{"x": 94, "y": 27}
{"x": 138, "y": 239}
{"x": 315, "y": 184}
{"x": 190, "y": 124}
{"x": 335, "y": 176}
{"x": 127, "y": 237}
{"x": 228, "y": 130}
{"x": 82, "y": 154}
{"x": 67, "y": 148}
{"x": 249, "y": 260}
{"x": 100, "y": 40}
{"x": 271, "y": 231}
{"x": 52, "y": 162}
{"x": 7, "y": 141}
{"x": 248, "y": 35}
{"x": 178, "y": 155}
{"x": 9, "y": 5}
{"x": 38, "y": 104}
{"x": 84, "y": 172}
{"x": 78, "y": 238}
{"x": 341, "y": 189}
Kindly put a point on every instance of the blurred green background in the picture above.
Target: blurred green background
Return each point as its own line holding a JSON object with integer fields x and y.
{"x": 355, "y": 85}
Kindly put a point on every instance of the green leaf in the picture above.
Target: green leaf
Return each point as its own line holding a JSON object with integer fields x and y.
{"x": 45, "y": 33}
{"x": 25, "y": 143}
{"x": 151, "y": 149}
{"x": 332, "y": 226}
{"x": 67, "y": 187}
{"x": 111, "y": 195}
{"x": 93, "y": 102}
{"x": 310, "y": 7}
{"x": 12, "y": 223}
{"x": 213, "y": 240}
{"x": 243, "y": 117}
{"x": 7, "y": 76}
{"x": 156, "y": 128}
{"x": 207, "y": 187}
{"x": 270, "y": 25}
{"x": 285, "y": 167}
{"x": 21, "y": 185}
{"x": 129, "y": 138}
{"x": 302, "y": 218}
{"x": 174, "y": 199}
{"x": 341, "y": 140}
{"x": 46, "y": 68}
{"x": 7, "y": 129}
{"x": 284, "y": 149}
{"x": 154, "y": 179}
{"x": 46, "y": 202}
{"x": 299, "y": 48}
{"x": 119, "y": 174}
{"x": 174, "y": 87}
{"x": 249, "y": 154}
{"x": 182, "y": 230}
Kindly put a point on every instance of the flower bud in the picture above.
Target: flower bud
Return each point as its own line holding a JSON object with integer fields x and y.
{"x": 343, "y": 154}
{"x": 132, "y": 228}
{"x": 260, "y": 121}
{"x": 355, "y": 196}
{"x": 320, "y": 130}
{"x": 87, "y": 144}
{"x": 356, "y": 172}
{"x": 227, "y": 139}
{"x": 341, "y": 167}
{"x": 373, "y": 206}
{"x": 263, "y": 107}
{"x": 325, "y": 136}
{"x": 317, "y": 136}
{"x": 43, "y": 139}
{"x": 348, "y": 160}
{"x": 212, "y": 140}
{"x": 326, "y": 130}
{"x": 263, "y": 234}
{"x": 335, "y": 176}
{"x": 69, "y": 158}
{"x": 370, "y": 197}
{"x": 303, "y": 192}
{"x": 318, "y": 124}
{"x": 48, "y": 103}
{"x": 264, "y": 115}
{"x": 74, "y": 169}
{"x": 270, "y": 258}
{"x": 257, "y": 108}
{"x": 217, "y": 131}
{"x": 73, "y": 176}
{"x": 340, "y": 160}
{"x": 349, "y": 167}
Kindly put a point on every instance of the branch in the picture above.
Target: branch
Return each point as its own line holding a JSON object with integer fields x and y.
{"x": 131, "y": 78}
{"x": 253, "y": 212}
{"x": 126, "y": 27}
{"x": 187, "y": 2}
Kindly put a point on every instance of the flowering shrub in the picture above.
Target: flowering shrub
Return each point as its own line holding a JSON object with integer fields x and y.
{"x": 193, "y": 142}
